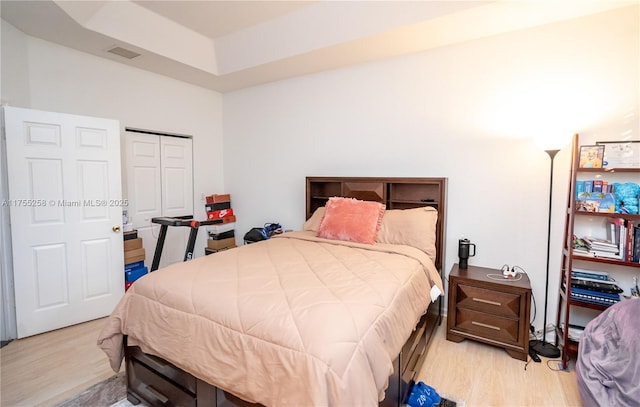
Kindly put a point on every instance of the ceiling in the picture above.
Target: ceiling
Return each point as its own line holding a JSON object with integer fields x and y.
{"x": 230, "y": 45}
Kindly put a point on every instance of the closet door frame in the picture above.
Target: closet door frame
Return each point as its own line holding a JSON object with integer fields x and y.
{"x": 159, "y": 179}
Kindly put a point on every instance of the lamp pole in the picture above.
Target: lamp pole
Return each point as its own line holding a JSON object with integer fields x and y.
{"x": 543, "y": 348}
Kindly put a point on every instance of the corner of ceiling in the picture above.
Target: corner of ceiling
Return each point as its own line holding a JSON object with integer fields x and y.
{"x": 121, "y": 20}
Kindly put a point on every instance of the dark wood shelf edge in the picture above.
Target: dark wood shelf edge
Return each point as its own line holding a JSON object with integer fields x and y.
{"x": 631, "y": 216}
{"x": 606, "y": 261}
{"x": 608, "y": 170}
{"x": 584, "y": 304}
{"x": 590, "y": 305}
{"x": 410, "y": 201}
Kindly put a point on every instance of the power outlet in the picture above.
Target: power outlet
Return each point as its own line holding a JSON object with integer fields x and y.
{"x": 549, "y": 333}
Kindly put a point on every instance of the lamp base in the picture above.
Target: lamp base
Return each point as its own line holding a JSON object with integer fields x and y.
{"x": 544, "y": 349}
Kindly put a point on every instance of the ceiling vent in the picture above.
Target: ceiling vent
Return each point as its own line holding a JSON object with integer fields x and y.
{"x": 123, "y": 52}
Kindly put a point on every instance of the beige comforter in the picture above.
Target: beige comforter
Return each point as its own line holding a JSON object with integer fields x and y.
{"x": 294, "y": 320}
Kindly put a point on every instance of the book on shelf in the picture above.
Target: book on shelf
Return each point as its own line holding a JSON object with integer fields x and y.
{"x": 577, "y": 251}
{"x": 592, "y": 254}
{"x": 602, "y": 248}
{"x": 580, "y": 189}
{"x": 636, "y": 244}
{"x": 593, "y": 196}
{"x": 590, "y": 274}
{"x": 596, "y": 242}
{"x": 606, "y": 255}
{"x": 588, "y": 205}
{"x": 597, "y": 185}
{"x": 594, "y": 297}
{"x": 575, "y": 332}
{"x": 594, "y": 293}
{"x": 629, "y": 240}
{"x": 588, "y": 188}
{"x": 616, "y": 225}
{"x": 592, "y": 300}
{"x": 595, "y": 285}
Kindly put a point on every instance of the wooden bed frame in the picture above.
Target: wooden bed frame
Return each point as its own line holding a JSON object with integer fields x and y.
{"x": 157, "y": 382}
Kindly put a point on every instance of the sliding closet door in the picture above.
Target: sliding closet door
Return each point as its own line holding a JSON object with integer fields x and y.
{"x": 144, "y": 184}
{"x": 159, "y": 183}
{"x": 176, "y": 164}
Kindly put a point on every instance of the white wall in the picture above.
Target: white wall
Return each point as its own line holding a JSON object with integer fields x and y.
{"x": 41, "y": 75}
{"x": 467, "y": 112}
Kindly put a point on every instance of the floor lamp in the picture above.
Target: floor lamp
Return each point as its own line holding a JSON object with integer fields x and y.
{"x": 541, "y": 347}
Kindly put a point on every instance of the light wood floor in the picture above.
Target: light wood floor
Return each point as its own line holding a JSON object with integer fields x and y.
{"x": 484, "y": 375}
{"x": 45, "y": 369}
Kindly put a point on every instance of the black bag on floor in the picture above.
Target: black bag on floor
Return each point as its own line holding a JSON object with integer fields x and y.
{"x": 255, "y": 235}
{"x": 259, "y": 234}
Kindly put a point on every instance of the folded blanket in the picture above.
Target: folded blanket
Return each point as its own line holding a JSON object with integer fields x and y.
{"x": 608, "y": 364}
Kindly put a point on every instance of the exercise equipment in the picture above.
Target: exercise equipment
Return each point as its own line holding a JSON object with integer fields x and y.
{"x": 189, "y": 222}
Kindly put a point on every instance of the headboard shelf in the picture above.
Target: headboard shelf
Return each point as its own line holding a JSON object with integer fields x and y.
{"x": 394, "y": 192}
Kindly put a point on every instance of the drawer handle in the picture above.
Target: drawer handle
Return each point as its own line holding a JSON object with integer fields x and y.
{"x": 497, "y": 328}
{"x": 159, "y": 396}
{"x": 157, "y": 363}
{"x": 486, "y": 301}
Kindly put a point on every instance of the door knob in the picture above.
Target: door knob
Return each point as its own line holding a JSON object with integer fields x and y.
{"x": 116, "y": 228}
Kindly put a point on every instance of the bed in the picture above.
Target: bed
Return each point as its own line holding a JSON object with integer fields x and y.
{"x": 310, "y": 317}
{"x": 608, "y": 364}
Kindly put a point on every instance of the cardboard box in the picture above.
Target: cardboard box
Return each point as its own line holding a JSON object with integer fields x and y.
{"x": 223, "y": 235}
{"x": 225, "y": 227}
{"x": 132, "y": 256}
{"x": 132, "y": 234}
{"x": 210, "y": 207}
{"x": 221, "y": 244}
{"x": 133, "y": 275}
{"x": 229, "y": 219}
{"x": 131, "y": 266}
{"x": 219, "y": 214}
{"x": 133, "y": 244}
{"x": 215, "y": 198}
{"x": 208, "y": 251}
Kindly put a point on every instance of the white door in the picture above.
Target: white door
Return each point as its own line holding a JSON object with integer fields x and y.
{"x": 159, "y": 183}
{"x": 66, "y": 214}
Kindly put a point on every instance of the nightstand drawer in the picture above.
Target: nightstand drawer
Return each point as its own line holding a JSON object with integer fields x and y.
{"x": 489, "y": 301}
{"x": 487, "y": 326}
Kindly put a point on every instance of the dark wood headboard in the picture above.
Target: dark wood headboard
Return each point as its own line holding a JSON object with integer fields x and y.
{"x": 394, "y": 192}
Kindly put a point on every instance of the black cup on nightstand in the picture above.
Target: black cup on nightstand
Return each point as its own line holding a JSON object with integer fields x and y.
{"x": 464, "y": 252}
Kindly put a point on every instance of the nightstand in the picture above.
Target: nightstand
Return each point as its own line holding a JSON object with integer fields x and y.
{"x": 485, "y": 307}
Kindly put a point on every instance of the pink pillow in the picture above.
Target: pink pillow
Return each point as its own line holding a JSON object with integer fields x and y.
{"x": 352, "y": 220}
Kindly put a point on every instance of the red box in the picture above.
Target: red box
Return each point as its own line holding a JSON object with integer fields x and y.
{"x": 223, "y": 213}
{"x": 229, "y": 219}
{"x": 216, "y": 198}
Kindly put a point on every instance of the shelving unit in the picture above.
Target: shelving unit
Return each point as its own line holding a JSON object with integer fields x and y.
{"x": 395, "y": 193}
{"x": 570, "y": 346}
